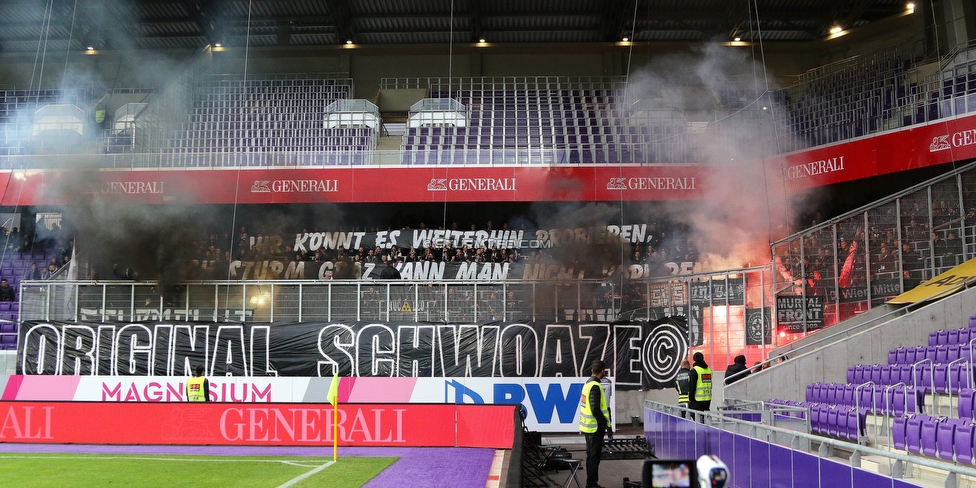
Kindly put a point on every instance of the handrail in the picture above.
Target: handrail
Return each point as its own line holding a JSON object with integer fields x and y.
{"x": 858, "y": 450}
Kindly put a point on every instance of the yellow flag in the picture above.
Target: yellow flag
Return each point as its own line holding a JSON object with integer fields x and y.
{"x": 333, "y": 396}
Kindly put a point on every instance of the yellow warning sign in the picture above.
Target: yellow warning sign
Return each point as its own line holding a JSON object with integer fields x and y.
{"x": 941, "y": 286}
{"x": 406, "y": 307}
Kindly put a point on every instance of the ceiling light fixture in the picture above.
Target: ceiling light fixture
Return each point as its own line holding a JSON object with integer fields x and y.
{"x": 482, "y": 40}
{"x": 835, "y": 29}
{"x": 737, "y": 39}
{"x": 910, "y": 6}
{"x": 349, "y": 41}
{"x": 217, "y": 44}
{"x": 626, "y": 39}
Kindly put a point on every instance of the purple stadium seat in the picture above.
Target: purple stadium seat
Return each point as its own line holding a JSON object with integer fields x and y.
{"x": 905, "y": 375}
{"x": 817, "y": 417}
{"x": 911, "y": 355}
{"x": 862, "y": 374}
{"x": 933, "y": 338}
{"x": 923, "y": 377}
{"x": 885, "y": 378}
{"x": 928, "y": 431}
{"x": 942, "y": 337}
{"x": 898, "y": 431}
{"x": 847, "y": 395}
{"x": 966, "y": 403}
{"x": 832, "y": 396}
{"x": 893, "y": 356}
{"x": 900, "y": 354}
{"x": 896, "y": 401}
{"x": 954, "y": 352}
{"x": 940, "y": 373}
{"x": 832, "y": 422}
{"x": 865, "y": 397}
{"x": 972, "y": 322}
{"x": 876, "y": 374}
{"x": 809, "y": 395}
{"x": 965, "y": 335}
{"x": 941, "y": 354}
{"x": 8, "y": 327}
{"x": 953, "y": 336}
{"x": 930, "y": 352}
{"x": 913, "y": 433}
{"x": 964, "y": 442}
{"x": 850, "y": 374}
{"x": 945, "y": 439}
{"x": 958, "y": 377}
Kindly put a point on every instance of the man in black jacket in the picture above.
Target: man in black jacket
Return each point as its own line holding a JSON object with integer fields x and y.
{"x": 737, "y": 370}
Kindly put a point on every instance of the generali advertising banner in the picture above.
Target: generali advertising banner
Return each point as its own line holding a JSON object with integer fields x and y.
{"x": 257, "y": 424}
{"x": 358, "y": 185}
{"x": 639, "y": 355}
{"x": 919, "y": 146}
{"x": 551, "y": 404}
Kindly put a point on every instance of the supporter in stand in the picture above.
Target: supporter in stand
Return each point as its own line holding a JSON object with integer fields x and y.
{"x": 737, "y": 370}
{"x": 7, "y": 293}
{"x": 33, "y": 273}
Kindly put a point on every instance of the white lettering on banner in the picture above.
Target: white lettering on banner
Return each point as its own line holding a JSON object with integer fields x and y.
{"x": 311, "y": 425}
{"x": 24, "y": 423}
{"x": 944, "y": 142}
{"x": 130, "y": 187}
{"x": 815, "y": 168}
{"x": 295, "y": 186}
{"x": 660, "y": 183}
{"x": 471, "y": 184}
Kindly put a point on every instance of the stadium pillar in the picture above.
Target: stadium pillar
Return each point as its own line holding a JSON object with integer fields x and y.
{"x": 960, "y": 23}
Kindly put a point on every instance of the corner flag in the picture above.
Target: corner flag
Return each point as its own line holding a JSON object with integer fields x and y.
{"x": 333, "y": 395}
{"x": 333, "y": 398}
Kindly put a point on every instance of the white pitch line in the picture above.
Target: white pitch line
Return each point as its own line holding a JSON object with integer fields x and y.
{"x": 142, "y": 458}
{"x": 296, "y": 480}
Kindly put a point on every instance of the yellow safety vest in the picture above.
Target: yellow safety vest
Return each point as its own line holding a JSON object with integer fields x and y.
{"x": 703, "y": 389}
{"x": 194, "y": 389}
{"x": 587, "y": 422}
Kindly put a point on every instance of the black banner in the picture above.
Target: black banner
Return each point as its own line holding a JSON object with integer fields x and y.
{"x": 759, "y": 328}
{"x": 643, "y": 354}
{"x": 796, "y": 314}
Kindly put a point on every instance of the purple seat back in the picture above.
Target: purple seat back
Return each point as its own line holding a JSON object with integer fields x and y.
{"x": 886, "y": 374}
{"x": 941, "y": 374}
{"x": 965, "y": 405}
{"x": 964, "y": 442}
{"x": 865, "y": 398}
{"x": 927, "y": 433}
{"x": 906, "y": 374}
{"x": 876, "y": 373}
{"x": 933, "y": 338}
{"x": 942, "y": 337}
{"x": 852, "y": 427}
{"x": 953, "y": 353}
{"x": 861, "y": 374}
{"x": 923, "y": 377}
{"x": 913, "y": 433}
{"x": 832, "y": 393}
{"x": 911, "y": 355}
{"x": 893, "y": 356}
{"x": 942, "y": 354}
{"x": 899, "y": 427}
{"x": 850, "y": 374}
{"x": 900, "y": 354}
{"x": 953, "y": 336}
{"x": 809, "y": 395}
{"x": 972, "y": 322}
{"x": 847, "y": 398}
{"x": 930, "y": 352}
{"x": 945, "y": 435}
{"x": 965, "y": 335}
{"x": 896, "y": 403}
{"x": 832, "y": 422}
{"x": 958, "y": 377}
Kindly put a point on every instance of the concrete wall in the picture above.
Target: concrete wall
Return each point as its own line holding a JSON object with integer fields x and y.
{"x": 829, "y": 363}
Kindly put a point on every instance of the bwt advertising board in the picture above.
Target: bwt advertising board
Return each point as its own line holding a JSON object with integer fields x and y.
{"x": 551, "y": 404}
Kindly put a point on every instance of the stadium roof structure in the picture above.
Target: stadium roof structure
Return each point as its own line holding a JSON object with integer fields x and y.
{"x": 28, "y": 26}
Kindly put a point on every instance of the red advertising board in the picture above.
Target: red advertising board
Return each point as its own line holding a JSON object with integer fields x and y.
{"x": 294, "y": 424}
{"x": 919, "y": 146}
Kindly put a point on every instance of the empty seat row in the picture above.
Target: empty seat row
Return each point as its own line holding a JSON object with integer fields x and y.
{"x": 843, "y": 422}
{"x": 939, "y": 437}
{"x": 875, "y": 399}
{"x": 952, "y": 336}
{"x": 942, "y": 353}
{"x": 940, "y": 377}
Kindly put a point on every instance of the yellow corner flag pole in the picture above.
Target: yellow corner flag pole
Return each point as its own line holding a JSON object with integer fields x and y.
{"x": 333, "y": 398}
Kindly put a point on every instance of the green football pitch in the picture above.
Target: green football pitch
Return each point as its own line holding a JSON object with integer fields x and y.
{"x": 95, "y": 470}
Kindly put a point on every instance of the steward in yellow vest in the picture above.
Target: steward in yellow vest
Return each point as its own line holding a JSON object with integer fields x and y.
{"x": 197, "y": 387}
{"x": 594, "y": 420}
{"x": 701, "y": 380}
